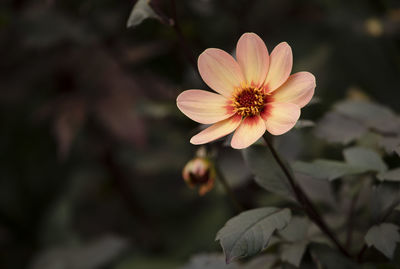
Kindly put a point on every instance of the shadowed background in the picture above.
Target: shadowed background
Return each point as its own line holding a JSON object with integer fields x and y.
{"x": 92, "y": 144}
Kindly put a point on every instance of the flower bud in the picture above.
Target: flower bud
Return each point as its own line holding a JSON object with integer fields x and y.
{"x": 199, "y": 172}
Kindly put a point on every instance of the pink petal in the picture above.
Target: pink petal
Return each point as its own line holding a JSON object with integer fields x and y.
{"x": 252, "y": 56}
{"x": 298, "y": 89}
{"x": 280, "y": 66}
{"x": 248, "y": 132}
{"x": 280, "y": 117}
{"x": 216, "y": 130}
{"x": 220, "y": 71}
{"x": 204, "y": 107}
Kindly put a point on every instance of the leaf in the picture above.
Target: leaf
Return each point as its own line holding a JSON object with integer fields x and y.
{"x": 384, "y": 238}
{"x": 384, "y": 197}
{"x": 266, "y": 170}
{"x": 336, "y": 128}
{"x": 373, "y": 115}
{"x": 390, "y": 143}
{"x": 327, "y": 169}
{"x": 391, "y": 175}
{"x": 296, "y": 230}
{"x": 365, "y": 158}
{"x": 141, "y": 11}
{"x": 293, "y": 253}
{"x": 249, "y": 232}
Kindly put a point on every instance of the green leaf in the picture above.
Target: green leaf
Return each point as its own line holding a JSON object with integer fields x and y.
{"x": 293, "y": 253}
{"x": 266, "y": 170}
{"x": 249, "y": 232}
{"x": 327, "y": 169}
{"x": 373, "y": 115}
{"x": 384, "y": 238}
{"x": 336, "y": 128}
{"x": 391, "y": 175}
{"x": 141, "y": 11}
{"x": 365, "y": 158}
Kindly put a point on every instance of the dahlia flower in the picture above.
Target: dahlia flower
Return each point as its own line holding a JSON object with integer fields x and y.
{"x": 254, "y": 93}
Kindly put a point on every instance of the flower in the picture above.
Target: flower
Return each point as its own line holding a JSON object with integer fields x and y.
{"x": 255, "y": 93}
{"x": 199, "y": 172}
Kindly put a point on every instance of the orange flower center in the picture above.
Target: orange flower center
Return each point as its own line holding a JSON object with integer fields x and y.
{"x": 249, "y": 101}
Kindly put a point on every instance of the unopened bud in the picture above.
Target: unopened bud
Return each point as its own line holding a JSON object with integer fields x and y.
{"x": 199, "y": 172}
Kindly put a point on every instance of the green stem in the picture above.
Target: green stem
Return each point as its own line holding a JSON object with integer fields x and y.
{"x": 305, "y": 202}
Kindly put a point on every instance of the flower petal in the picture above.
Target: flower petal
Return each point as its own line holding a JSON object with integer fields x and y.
{"x": 280, "y": 66}
{"x": 220, "y": 71}
{"x": 216, "y": 130}
{"x": 248, "y": 132}
{"x": 252, "y": 56}
{"x": 280, "y": 117}
{"x": 204, "y": 107}
{"x": 298, "y": 89}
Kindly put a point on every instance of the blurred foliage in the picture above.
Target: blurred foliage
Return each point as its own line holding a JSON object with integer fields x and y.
{"x": 92, "y": 145}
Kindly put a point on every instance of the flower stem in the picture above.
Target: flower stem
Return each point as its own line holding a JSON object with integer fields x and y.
{"x": 239, "y": 207}
{"x": 305, "y": 202}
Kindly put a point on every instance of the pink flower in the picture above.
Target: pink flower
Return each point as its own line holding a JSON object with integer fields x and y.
{"x": 255, "y": 93}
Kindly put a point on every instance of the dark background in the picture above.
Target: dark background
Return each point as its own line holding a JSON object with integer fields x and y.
{"x": 92, "y": 144}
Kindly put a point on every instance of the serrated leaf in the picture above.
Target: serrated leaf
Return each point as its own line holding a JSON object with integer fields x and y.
{"x": 365, "y": 158}
{"x": 266, "y": 170}
{"x": 391, "y": 175}
{"x": 373, "y": 115}
{"x": 249, "y": 232}
{"x": 384, "y": 238}
{"x": 141, "y": 11}
{"x": 327, "y": 169}
{"x": 293, "y": 253}
{"x": 336, "y": 128}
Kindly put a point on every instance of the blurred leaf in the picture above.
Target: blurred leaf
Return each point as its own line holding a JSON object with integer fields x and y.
{"x": 336, "y": 128}
{"x": 384, "y": 197}
{"x": 365, "y": 158}
{"x": 211, "y": 261}
{"x": 141, "y": 11}
{"x": 296, "y": 233}
{"x": 249, "y": 232}
{"x": 296, "y": 230}
{"x": 318, "y": 190}
{"x": 373, "y": 115}
{"x": 89, "y": 256}
{"x": 327, "y": 169}
{"x": 384, "y": 238}
{"x": 331, "y": 259}
{"x": 293, "y": 253}
{"x": 390, "y": 144}
{"x": 391, "y": 175}
{"x": 266, "y": 170}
